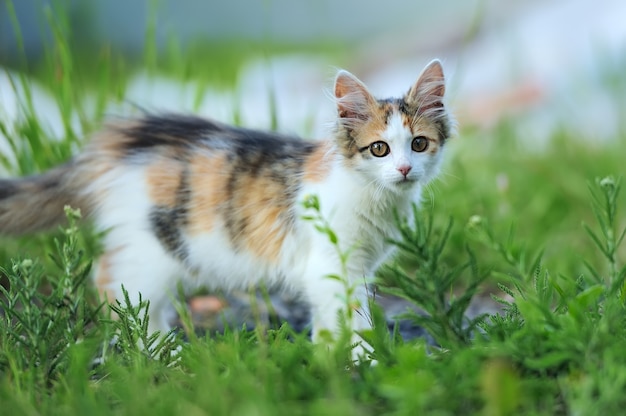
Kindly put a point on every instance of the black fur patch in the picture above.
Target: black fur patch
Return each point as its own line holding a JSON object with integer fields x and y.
{"x": 168, "y": 223}
{"x": 35, "y": 183}
{"x": 443, "y": 126}
{"x": 257, "y": 151}
{"x": 169, "y": 130}
{"x": 7, "y": 188}
{"x": 404, "y": 108}
{"x": 46, "y": 182}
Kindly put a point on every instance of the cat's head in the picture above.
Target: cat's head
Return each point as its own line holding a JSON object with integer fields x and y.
{"x": 393, "y": 143}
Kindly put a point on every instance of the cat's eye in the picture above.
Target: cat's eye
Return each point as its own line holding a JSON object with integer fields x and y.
{"x": 419, "y": 144}
{"x": 379, "y": 149}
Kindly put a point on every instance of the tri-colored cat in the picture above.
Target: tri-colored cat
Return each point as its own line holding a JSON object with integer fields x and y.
{"x": 184, "y": 199}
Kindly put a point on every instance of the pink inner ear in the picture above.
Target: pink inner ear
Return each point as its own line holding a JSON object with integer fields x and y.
{"x": 353, "y": 99}
{"x": 430, "y": 101}
{"x": 343, "y": 84}
{"x": 429, "y": 89}
{"x": 352, "y": 108}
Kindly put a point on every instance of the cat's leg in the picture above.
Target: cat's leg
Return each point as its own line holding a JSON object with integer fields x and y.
{"x": 141, "y": 268}
{"x": 361, "y": 319}
{"x": 332, "y": 300}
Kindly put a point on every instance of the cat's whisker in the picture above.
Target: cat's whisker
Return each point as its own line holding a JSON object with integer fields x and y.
{"x": 444, "y": 175}
{"x": 429, "y": 188}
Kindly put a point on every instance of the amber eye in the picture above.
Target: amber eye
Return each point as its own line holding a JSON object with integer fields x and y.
{"x": 379, "y": 149}
{"x": 419, "y": 144}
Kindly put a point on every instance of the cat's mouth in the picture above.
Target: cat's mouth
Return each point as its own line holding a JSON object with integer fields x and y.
{"x": 406, "y": 181}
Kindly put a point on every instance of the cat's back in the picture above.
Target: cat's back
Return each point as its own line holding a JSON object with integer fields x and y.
{"x": 194, "y": 182}
{"x": 179, "y": 136}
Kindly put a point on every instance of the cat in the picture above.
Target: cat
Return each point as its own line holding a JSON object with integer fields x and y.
{"x": 186, "y": 199}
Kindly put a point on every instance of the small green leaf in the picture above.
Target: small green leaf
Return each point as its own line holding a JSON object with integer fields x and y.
{"x": 332, "y": 236}
{"x": 335, "y": 277}
{"x": 589, "y": 297}
{"x": 548, "y": 360}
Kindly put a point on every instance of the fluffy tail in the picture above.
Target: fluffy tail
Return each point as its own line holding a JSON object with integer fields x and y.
{"x": 36, "y": 203}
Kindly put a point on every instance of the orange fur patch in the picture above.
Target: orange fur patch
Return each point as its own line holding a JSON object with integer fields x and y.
{"x": 110, "y": 141}
{"x": 263, "y": 211}
{"x": 367, "y": 132}
{"x": 375, "y": 126}
{"x": 163, "y": 180}
{"x": 208, "y": 188}
{"x": 103, "y": 277}
{"x": 259, "y": 200}
{"x": 318, "y": 164}
{"x": 407, "y": 121}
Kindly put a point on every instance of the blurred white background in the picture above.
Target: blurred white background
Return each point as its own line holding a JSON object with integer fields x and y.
{"x": 551, "y": 65}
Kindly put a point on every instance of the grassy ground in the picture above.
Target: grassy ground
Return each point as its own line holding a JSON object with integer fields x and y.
{"x": 540, "y": 229}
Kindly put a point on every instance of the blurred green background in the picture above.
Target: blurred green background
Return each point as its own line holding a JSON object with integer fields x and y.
{"x": 538, "y": 88}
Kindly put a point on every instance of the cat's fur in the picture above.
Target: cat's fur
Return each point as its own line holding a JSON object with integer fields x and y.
{"x": 187, "y": 199}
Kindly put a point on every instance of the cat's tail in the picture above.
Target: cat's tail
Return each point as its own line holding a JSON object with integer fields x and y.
{"x": 36, "y": 203}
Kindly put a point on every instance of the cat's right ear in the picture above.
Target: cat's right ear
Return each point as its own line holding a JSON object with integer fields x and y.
{"x": 427, "y": 93}
{"x": 353, "y": 99}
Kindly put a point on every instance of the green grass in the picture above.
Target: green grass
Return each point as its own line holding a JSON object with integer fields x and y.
{"x": 545, "y": 238}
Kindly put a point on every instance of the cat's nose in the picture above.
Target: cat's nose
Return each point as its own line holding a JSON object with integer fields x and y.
{"x": 404, "y": 170}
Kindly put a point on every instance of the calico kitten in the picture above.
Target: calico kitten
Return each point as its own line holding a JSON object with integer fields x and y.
{"x": 187, "y": 199}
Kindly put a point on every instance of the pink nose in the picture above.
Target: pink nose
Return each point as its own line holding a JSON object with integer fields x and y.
{"x": 404, "y": 170}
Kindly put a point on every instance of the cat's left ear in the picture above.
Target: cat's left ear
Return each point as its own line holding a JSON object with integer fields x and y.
{"x": 429, "y": 89}
{"x": 354, "y": 101}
